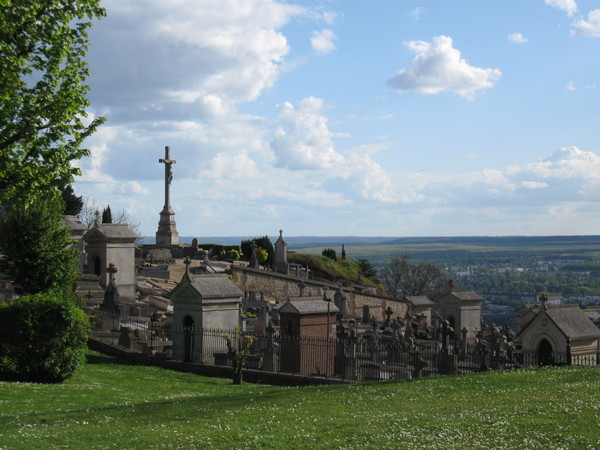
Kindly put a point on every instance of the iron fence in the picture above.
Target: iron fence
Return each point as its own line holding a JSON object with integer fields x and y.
{"x": 351, "y": 358}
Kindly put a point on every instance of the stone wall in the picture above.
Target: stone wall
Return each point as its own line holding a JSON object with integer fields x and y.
{"x": 275, "y": 287}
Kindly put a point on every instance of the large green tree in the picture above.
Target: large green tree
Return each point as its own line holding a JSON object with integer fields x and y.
{"x": 43, "y": 95}
{"x": 35, "y": 248}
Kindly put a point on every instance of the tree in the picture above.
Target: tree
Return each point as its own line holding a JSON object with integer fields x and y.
{"x": 43, "y": 96}
{"x": 393, "y": 275}
{"x": 239, "y": 348}
{"x": 107, "y": 215}
{"x": 343, "y": 252}
{"x": 367, "y": 269}
{"x": 73, "y": 204}
{"x": 400, "y": 278}
{"x": 264, "y": 243}
{"x": 329, "y": 253}
{"x": 88, "y": 216}
{"x": 124, "y": 217}
{"x": 36, "y": 248}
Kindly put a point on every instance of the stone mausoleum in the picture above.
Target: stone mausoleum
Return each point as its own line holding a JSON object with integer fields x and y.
{"x": 112, "y": 243}
{"x": 207, "y": 302}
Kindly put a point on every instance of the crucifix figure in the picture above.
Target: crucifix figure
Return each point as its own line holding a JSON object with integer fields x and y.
{"x": 168, "y": 175}
{"x": 167, "y": 233}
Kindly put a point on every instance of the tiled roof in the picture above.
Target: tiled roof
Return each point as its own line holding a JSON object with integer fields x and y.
{"x": 213, "y": 286}
{"x": 112, "y": 231}
{"x": 572, "y": 321}
{"x": 463, "y": 295}
{"x": 419, "y": 300}
{"x": 308, "y": 305}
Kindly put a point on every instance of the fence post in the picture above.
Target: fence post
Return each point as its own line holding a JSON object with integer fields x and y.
{"x": 569, "y": 362}
{"x": 418, "y": 364}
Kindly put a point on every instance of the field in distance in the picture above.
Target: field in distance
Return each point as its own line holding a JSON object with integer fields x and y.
{"x": 464, "y": 250}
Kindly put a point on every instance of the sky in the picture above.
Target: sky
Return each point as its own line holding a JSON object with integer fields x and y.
{"x": 348, "y": 117}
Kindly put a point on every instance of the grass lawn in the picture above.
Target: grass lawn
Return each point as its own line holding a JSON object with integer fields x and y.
{"x": 112, "y": 404}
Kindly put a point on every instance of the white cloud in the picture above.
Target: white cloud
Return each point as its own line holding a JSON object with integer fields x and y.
{"x": 533, "y": 184}
{"x": 235, "y": 167}
{"x": 589, "y": 27}
{"x": 517, "y": 38}
{"x": 204, "y": 55}
{"x": 439, "y": 67}
{"x": 137, "y": 188}
{"x": 322, "y": 41}
{"x": 304, "y": 141}
{"x": 565, "y": 163}
{"x": 416, "y": 13}
{"x": 329, "y": 17}
{"x": 571, "y": 86}
{"x": 568, "y": 6}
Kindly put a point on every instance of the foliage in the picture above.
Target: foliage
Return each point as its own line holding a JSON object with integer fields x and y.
{"x": 262, "y": 255}
{"x": 329, "y": 253}
{"x": 234, "y": 254}
{"x": 42, "y": 338}
{"x": 239, "y": 348}
{"x": 367, "y": 269}
{"x": 329, "y": 269}
{"x": 73, "y": 204}
{"x": 105, "y": 403}
{"x": 43, "y": 97}
{"x": 36, "y": 248}
{"x": 107, "y": 215}
{"x": 401, "y": 278}
{"x": 219, "y": 249}
{"x": 264, "y": 243}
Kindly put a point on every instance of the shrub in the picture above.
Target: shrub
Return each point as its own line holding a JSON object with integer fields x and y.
{"x": 329, "y": 253}
{"x": 42, "y": 338}
{"x": 264, "y": 243}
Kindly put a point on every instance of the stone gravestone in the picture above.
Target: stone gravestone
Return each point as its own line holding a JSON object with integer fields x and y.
{"x": 111, "y": 296}
{"x": 281, "y": 262}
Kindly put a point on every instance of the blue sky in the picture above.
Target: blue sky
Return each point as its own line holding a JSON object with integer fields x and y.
{"x": 338, "y": 117}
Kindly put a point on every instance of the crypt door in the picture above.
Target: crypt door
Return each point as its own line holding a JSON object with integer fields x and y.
{"x": 545, "y": 353}
{"x": 188, "y": 339}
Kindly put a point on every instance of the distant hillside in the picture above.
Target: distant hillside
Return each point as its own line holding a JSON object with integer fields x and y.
{"x": 293, "y": 241}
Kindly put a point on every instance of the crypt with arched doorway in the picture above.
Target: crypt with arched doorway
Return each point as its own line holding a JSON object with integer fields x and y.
{"x": 204, "y": 306}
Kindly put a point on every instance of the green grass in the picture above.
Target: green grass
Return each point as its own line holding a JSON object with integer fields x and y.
{"x": 112, "y": 404}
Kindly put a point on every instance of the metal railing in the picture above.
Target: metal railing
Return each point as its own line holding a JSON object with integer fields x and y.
{"x": 352, "y": 358}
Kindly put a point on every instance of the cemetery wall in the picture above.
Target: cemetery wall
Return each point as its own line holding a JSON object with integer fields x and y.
{"x": 251, "y": 376}
{"x": 275, "y": 287}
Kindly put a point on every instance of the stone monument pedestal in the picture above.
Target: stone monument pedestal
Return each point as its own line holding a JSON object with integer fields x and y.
{"x": 167, "y": 233}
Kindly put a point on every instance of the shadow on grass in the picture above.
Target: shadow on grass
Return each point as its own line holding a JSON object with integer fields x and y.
{"x": 98, "y": 358}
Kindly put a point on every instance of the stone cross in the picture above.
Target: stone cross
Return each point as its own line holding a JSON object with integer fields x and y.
{"x": 111, "y": 270}
{"x": 168, "y": 175}
{"x": 187, "y": 263}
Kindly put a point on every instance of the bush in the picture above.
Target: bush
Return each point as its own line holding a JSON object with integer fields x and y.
{"x": 42, "y": 338}
{"x": 329, "y": 253}
{"x": 264, "y": 243}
